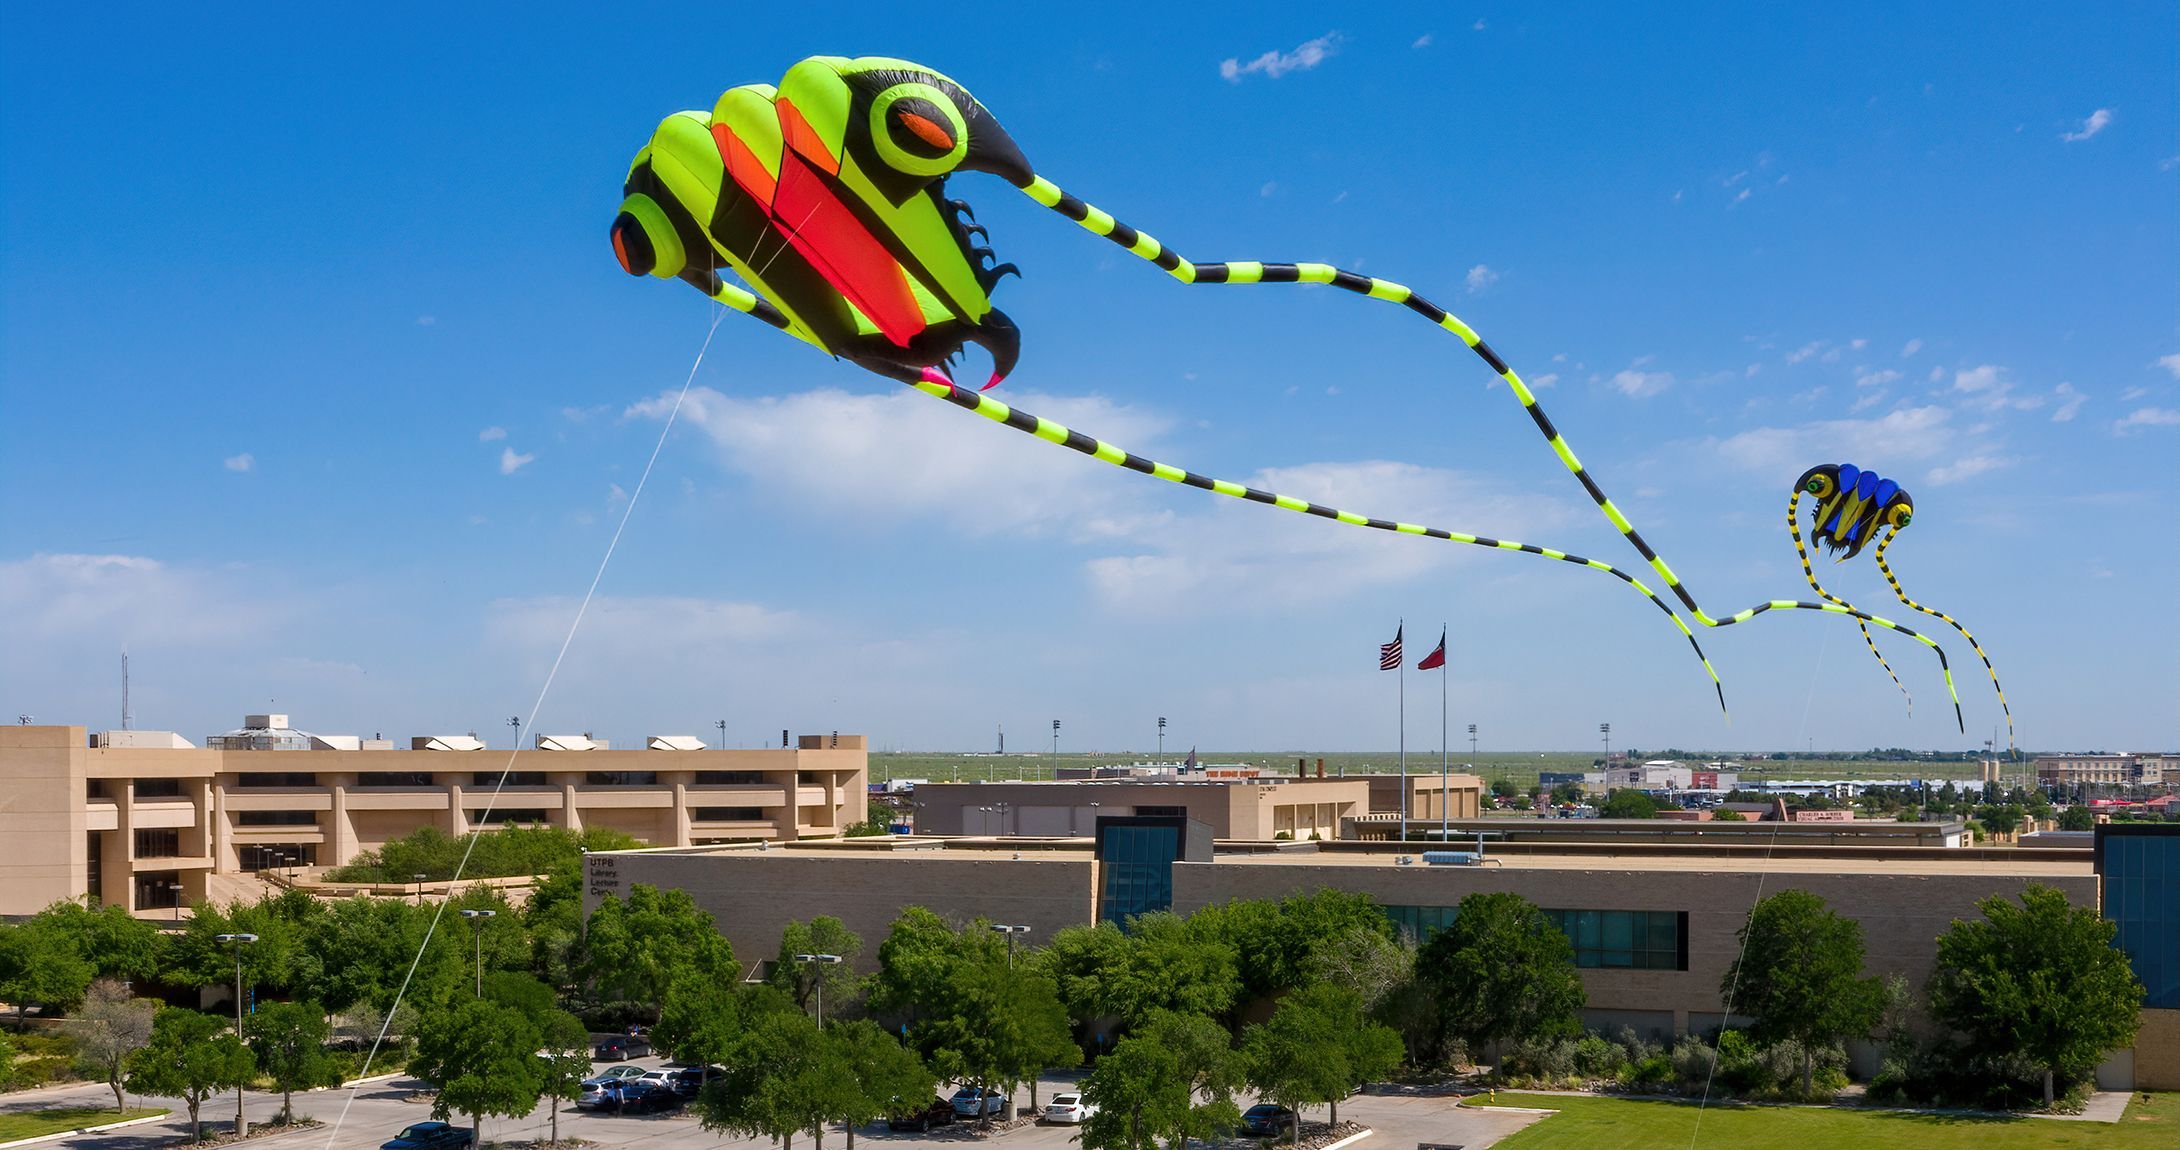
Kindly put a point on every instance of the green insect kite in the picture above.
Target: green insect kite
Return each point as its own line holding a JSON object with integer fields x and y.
{"x": 826, "y": 196}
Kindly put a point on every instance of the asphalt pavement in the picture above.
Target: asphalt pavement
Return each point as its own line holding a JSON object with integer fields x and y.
{"x": 376, "y": 1111}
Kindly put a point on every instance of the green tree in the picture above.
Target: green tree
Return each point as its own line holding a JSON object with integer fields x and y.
{"x": 1504, "y": 788}
{"x": 1276, "y": 943}
{"x": 1502, "y": 969}
{"x": 109, "y": 1027}
{"x": 2077, "y": 818}
{"x": 780, "y": 1079}
{"x": 1799, "y": 975}
{"x": 918, "y": 960}
{"x": 289, "y": 1040}
{"x": 483, "y": 1058}
{"x": 2040, "y": 981}
{"x": 1082, "y": 962}
{"x": 1565, "y": 793}
{"x": 7, "y": 1063}
{"x": 1003, "y": 1026}
{"x": 39, "y": 963}
{"x": 636, "y": 947}
{"x": 881, "y": 1073}
{"x": 564, "y": 1054}
{"x": 1628, "y": 804}
{"x": 2000, "y": 820}
{"x": 191, "y": 1056}
{"x": 821, "y": 935}
{"x": 118, "y": 944}
{"x": 1728, "y": 815}
{"x": 1171, "y": 964}
{"x": 1175, "y": 1076}
{"x": 1316, "y": 1048}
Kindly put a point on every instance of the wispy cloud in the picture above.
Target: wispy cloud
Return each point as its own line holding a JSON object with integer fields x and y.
{"x": 491, "y": 434}
{"x": 1478, "y": 26}
{"x": 2143, "y": 417}
{"x": 2070, "y": 401}
{"x": 1968, "y": 468}
{"x": 1638, "y": 384}
{"x": 1480, "y": 277}
{"x": 1423, "y": 41}
{"x": 242, "y": 462}
{"x": 1273, "y": 65}
{"x": 1805, "y": 351}
{"x": 1910, "y": 348}
{"x": 1876, "y": 378}
{"x": 511, "y": 461}
{"x": 1908, "y": 434}
{"x": 2098, "y": 121}
{"x": 2171, "y": 364}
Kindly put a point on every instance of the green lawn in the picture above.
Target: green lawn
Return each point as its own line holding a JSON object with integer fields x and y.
{"x": 16, "y": 1124}
{"x": 1593, "y": 1123}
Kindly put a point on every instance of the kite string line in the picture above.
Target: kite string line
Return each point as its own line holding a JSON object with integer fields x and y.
{"x": 524, "y": 730}
{"x": 1734, "y": 990}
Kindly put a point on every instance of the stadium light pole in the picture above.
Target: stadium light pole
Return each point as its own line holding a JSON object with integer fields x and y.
{"x": 810, "y": 960}
{"x": 238, "y": 941}
{"x": 1605, "y": 729}
{"x": 1161, "y": 738}
{"x": 722, "y": 725}
{"x": 476, "y": 928}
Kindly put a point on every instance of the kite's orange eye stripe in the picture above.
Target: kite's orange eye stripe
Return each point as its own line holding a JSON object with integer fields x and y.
{"x": 927, "y": 131}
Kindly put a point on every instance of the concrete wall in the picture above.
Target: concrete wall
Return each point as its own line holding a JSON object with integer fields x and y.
{"x": 43, "y": 818}
{"x": 754, "y": 894}
{"x": 2157, "y": 1051}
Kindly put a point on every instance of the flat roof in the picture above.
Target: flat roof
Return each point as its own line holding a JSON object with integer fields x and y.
{"x": 2032, "y": 863}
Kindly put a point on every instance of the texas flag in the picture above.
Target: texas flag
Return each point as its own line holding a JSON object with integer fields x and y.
{"x": 1435, "y": 659}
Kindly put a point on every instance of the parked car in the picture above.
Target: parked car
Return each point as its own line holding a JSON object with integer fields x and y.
{"x": 689, "y": 1080}
{"x": 937, "y": 1112}
{"x": 629, "y": 1096}
{"x": 616, "y": 1073}
{"x": 966, "y": 1105}
{"x": 430, "y": 1136}
{"x": 621, "y": 1049}
{"x": 1265, "y": 1120}
{"x": 1069, "y": 1109}
{"x": 601, "y": 1092}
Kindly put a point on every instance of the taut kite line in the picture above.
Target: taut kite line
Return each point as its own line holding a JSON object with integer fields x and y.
{"x": 826, "y": 195}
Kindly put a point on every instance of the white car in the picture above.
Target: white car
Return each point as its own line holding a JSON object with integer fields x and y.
{"x": 1069, "y": 1109}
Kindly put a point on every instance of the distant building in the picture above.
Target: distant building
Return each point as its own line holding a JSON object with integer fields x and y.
{"x": 1233, "y": 808}
{"x": 2107, "y": 770}
{"x": 144, "y": 820}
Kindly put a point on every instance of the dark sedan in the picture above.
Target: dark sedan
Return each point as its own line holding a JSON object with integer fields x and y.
{"x": 430, "y": 1136}
{"x": 937, "y": 1112}
{"x": 1265, "y": 1120}
{"x": 689, "y": 1081}
{"x": 640, "y": 1096}
{"x": 621, "y": 1049}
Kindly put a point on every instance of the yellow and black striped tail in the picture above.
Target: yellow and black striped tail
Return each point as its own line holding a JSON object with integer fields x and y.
{"x": 1073, "y": 440}
{"x": 1794, "y": 528}
{"x": 1145, "y": 246}
{"x": 1886, "y": 569}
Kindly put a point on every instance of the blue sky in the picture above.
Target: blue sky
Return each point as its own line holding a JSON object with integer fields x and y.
{"x": 322, "y": 389}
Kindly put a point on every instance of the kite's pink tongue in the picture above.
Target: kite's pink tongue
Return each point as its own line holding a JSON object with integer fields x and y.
{"x": 934, "y": 375}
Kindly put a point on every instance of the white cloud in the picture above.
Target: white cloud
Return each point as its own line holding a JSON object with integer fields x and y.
{"x": 1804, "y": 351}
{"x": 1737, "y": 199}
{"x": 1270, "y": 186}
{"x": 1750, "y": 371}
{"x": 1910, "y": 348}
{"x": 242, "y": 462}
{"x": 2145, "y": 417}
{"x": 510, "y": 462}
{"x": 1981, "y": 378}
{"x": 620, "y": 631}
{"x": 1908, "y": 434}
{"x": 2097, "y": 122}
{"x": 491, "y": 434}
{"x": 2070, "y": 401}
{"x": 1480, "y": 277}
{"x": 1876, "y": 378}
{"x": 1858, "y": 344}
{"x": 1478, "y": 26}
{"x": 2171, "y": 364}
{"x": 1543, "y": 381}
{"x": 1968, "y": 467}
{"x": 1638, "y": 384}
{"x": 426, "y": 320}
{"x": 1273, "y": 65}
{"x": 1423, "y": 41}
{"x": 1866, "y": 402}
{"x": 2133, "y": 393}
{"x": 86, "y": 600}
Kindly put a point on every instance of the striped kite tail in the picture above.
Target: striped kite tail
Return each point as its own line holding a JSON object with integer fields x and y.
{"x": 1886, "y": 569}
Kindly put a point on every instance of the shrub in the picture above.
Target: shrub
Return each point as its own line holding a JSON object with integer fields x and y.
{"x": 1692, "y": 1060}
{"x": 1538, "y": 1058}
{"x": 1595, "y": 1057}
{"x": 1647, "y": 1073}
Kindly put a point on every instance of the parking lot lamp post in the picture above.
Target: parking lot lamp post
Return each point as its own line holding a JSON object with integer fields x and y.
{"x": 419, "y": 888}
{"x": 238, "y": 941}
{"x": 1010, "y": 932}
{"x": 809, "y": 960}
{"x": 476, "y": 927}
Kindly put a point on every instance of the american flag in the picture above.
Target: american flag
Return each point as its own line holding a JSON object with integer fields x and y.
{"x": 1389, "y": 653}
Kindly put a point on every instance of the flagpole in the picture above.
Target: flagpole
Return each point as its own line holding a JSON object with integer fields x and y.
{"x": 1444, "y": 772}
{"x": 1403, "y": 676}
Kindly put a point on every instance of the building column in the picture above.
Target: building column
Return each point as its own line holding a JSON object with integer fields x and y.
{"x": 212, "y": 806}
{"x": 457, "y": 818}
{"x": 340, "y": 830}
{"x": 570, "y": 817}
{"x": 119, "y": 878}
{"x": 678, "y": 816}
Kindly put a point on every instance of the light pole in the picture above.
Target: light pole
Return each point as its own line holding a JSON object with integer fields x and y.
{"x": 419, "y": 888}
{"x": 514, "y": 723}
{"x": 1010, "y": 932}
{"x": 1161, "y": 738}
{"x": 1605, "y": 729}
{"x": 175, "y": 889}
{"x": 238, "y": 941}
{"x": 722, "y": 725}
{"x": 1055, "y": 748}
{"x": 1472, "y": 743}
{"x": 810, "y": 960}
{"x": 476, "y": 927}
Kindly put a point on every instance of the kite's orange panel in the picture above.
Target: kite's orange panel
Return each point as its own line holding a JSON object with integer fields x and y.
{"x": 828, "y": 234}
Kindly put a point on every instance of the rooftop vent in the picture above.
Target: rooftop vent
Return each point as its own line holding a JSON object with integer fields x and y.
{"x": 581, "y": 742}
{"x": 674, "y": 743}
{"x": 446, "y": 743}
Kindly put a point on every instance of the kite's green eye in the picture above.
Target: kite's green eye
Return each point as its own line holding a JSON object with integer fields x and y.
{"x": 917, "y": 130}
{"x": 1819, "y": 485}
{"x": 644, "y": 239}
{"x": 1901, "y": 516}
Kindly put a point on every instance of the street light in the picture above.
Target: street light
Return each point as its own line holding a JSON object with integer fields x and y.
{"x": 174, "y": 889}
{"x": 1010, "y": 932}
{"x": 238, "y": 941}
{"x": 476, "y": 927}
{"x": 419, "y": 877}
{"x": 810, "y": 960}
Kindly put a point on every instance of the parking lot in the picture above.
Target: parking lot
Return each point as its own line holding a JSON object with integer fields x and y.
{"x": 380, "y": 1109}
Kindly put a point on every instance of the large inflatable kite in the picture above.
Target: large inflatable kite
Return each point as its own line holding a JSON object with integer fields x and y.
{"x": 827, "y": 196}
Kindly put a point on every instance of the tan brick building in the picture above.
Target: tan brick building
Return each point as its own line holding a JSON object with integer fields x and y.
{"x": 1264, "y": 807}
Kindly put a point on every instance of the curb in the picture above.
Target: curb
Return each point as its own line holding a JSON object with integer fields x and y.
{"x": 57, "y": 1135}
{"x": 389, "y": 1076}
{"x": 1349, "y": 1140}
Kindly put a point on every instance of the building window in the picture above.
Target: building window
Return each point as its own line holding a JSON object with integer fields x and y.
{"x": 1602, "y": 939}
{"x": 276, "y": 819}
{"x": 1136, "y": 863}
{"x": 501, "y": 816}
{"x": 621, "y": 778}
{"x": 94, "y": 788}
{"x": 158, "y": 844}
{"x": 158, "y": 788}
{"x": 273, "y": 856}
{"x": 395, "y": 779}
{"x": 1165, "y": 812}
{"x": 729, "y": 778}
{"x": 94, "y": 878}
{"x": 727, "y": 814}
{"x": 2141, "y": 868}
{"x": 159, "y": 890}
{"x": 277, "y": 779}
{"x": 514, "y": 779}
{"x": 810, "y": 778}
